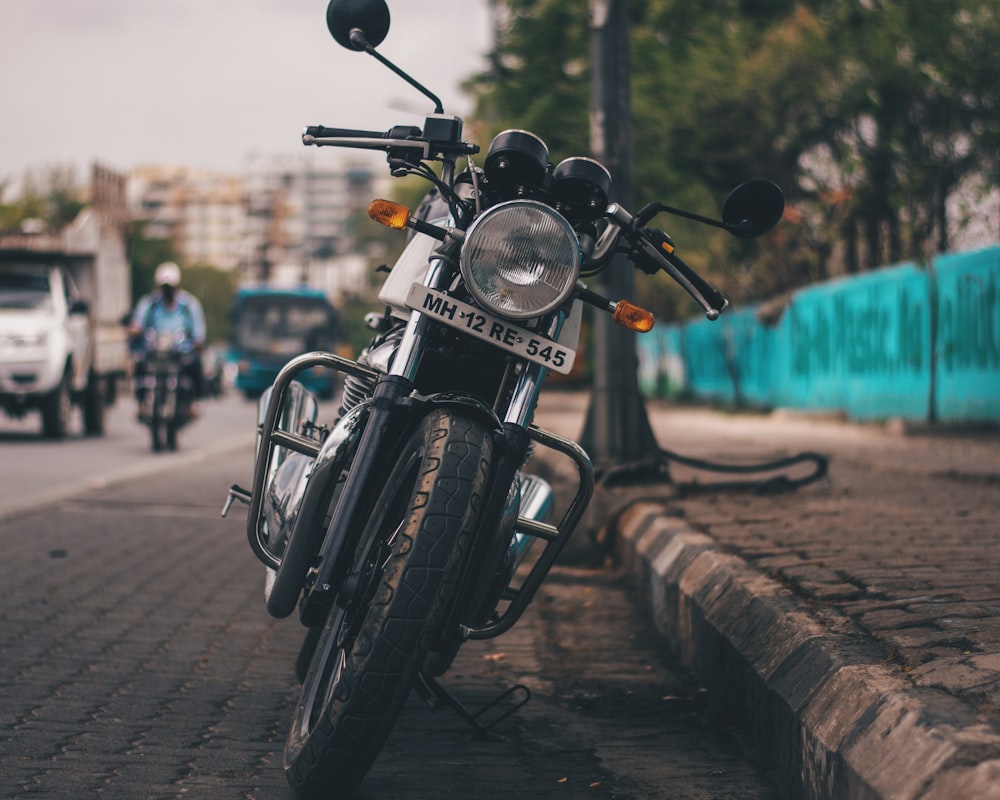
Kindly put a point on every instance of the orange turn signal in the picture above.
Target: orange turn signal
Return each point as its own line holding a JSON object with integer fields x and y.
{"x": 388, "y": 213}
{"x": 633, "y": 317}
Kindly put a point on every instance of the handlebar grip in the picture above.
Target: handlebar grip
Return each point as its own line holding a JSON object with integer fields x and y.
{"x": 714, "y": 297}
{"x": 323, "y": 132}
{"x": 710, "y": 298}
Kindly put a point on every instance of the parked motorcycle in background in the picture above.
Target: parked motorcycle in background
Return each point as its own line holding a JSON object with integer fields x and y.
{"x": 163, "y": 386}
{"x": 405, "y": 527}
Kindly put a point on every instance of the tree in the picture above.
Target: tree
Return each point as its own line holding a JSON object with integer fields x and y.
{"x": 926, "y": 103}
{"x": 145, "y": 254}
{"x": 52, "y": 195}
{"x": 215, "y": 288}
{"x": 539, "y": 78}
{"x": 870, "y": 115}
{"x": 617, "y": 429}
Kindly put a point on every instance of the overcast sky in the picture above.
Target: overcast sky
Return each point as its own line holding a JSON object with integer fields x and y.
{"x": 210, "y": 82}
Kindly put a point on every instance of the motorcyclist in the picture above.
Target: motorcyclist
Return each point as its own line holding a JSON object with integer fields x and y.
{"x": 171, "y": 309}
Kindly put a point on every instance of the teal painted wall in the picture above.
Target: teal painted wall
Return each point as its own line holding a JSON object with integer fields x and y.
{"x": 920, "y": 343}
{"x": 967, "y": 354}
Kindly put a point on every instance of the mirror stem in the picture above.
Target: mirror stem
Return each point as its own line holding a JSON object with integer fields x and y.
{"x": 653, "y": 209}
{"x": 360, "y": 41}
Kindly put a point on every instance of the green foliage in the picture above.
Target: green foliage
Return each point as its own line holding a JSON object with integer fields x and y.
{"x": 215, "y": 288}
{"x": 869, "y": 114}
{"x": 540, "y": 76}
{"x": 145, "y": 255}
{"x": 52, "y": 195}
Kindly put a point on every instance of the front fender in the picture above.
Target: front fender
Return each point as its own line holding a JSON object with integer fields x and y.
{"x": 469, "y": 405}
{"x": 294, "y": 489}
{"x": 295, "y": 509}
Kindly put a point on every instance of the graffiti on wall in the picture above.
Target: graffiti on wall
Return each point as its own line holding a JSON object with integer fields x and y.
{"x": 845, "y": 336}
{"x": 919, "y": 343}
{"x": 969, "y": 323}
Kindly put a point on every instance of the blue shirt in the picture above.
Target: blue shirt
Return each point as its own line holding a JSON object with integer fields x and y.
{"x": 185, "y": 316}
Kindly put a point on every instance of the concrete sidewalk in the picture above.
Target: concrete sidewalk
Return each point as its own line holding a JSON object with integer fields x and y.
{"x": 851, "y": 628}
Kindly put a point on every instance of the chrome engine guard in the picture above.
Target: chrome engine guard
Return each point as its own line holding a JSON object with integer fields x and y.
{"x": 271, "y": 437}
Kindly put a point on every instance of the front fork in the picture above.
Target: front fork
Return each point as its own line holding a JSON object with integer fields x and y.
{"x": 390, "y": 393}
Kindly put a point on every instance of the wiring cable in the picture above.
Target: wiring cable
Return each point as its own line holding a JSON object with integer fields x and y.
{"x": 657, "y": 470}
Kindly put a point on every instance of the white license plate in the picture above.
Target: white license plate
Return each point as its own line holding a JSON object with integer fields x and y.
{"x": 529, "y": 345}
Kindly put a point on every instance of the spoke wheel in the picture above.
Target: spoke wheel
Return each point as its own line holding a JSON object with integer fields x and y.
{"x": 390, "y": 608}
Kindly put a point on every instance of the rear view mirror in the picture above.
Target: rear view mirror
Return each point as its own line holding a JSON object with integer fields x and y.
{"x": 369, "y": 17}
{"x": 753, "y": 208}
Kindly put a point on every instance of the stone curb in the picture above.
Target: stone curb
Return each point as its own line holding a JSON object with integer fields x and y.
{"x": 828, "y": 716}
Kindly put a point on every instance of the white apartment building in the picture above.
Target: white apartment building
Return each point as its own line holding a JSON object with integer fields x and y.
{"x": 200, "y": 212}
{"x": 282, "y": 220}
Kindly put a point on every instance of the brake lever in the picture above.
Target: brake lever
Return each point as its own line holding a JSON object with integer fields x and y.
{"x": 656, "y": 247}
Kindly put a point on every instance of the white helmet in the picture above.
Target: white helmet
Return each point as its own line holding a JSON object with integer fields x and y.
{"x": 168, "y": 274}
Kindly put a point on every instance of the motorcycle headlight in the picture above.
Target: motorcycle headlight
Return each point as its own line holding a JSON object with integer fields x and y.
{"x": 521, "y": 259}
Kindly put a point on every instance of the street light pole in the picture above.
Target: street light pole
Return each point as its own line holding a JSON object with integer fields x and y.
{"x": 617, "y": 429}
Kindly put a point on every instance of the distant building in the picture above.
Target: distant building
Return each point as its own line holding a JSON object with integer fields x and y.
{"x": 283, "y": 219}
{"x": 199, "y": 211}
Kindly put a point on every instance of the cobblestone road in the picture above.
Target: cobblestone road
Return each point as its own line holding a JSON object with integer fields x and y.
{"x": 855, "y": 635}
{"x": 903, "y": 539}
{"x": 137, "y": 661}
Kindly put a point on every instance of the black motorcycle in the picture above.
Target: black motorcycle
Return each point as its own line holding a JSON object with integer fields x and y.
{"x": 164, "y": 388}
{"x": 404, "y": 527}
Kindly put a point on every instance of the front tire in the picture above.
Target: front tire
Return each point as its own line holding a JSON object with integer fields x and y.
{"x": 369, "y": 651}
{"x": 157, "y": 436}
{"x": 170, "y": 435}
{"x": 94, "y": 406}
{"x": 57, "y": 410}
{"x": 157, "y": 422}
{"x": 306, "y": 652}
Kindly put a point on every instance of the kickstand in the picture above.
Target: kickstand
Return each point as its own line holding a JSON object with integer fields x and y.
{"x": 436, "y": 696}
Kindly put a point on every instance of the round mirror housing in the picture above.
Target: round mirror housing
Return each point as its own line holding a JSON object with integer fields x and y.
{"x": 371, "y": 17}
{"x": 753, "y": 208}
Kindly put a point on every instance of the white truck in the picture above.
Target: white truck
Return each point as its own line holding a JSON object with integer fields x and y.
{"x": 62, "y": 301}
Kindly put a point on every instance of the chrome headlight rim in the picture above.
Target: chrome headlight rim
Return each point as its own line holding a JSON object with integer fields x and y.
{"x": 564, "y": 266}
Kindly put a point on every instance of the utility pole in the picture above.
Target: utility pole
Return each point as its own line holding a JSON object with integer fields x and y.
{"x": 617, "y": 429}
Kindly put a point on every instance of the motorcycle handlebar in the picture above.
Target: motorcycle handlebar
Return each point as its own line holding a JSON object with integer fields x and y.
{"x": 707, "y": 296}
{"x": 323, "y": 132}
{"x": 652, "y": 250}
{"x": 402, "y": 137}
